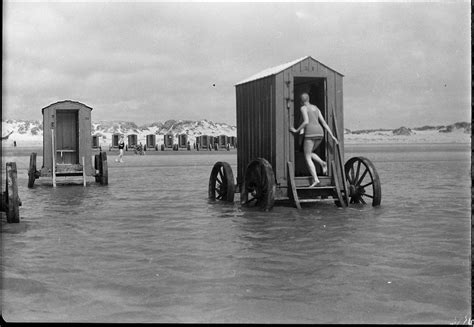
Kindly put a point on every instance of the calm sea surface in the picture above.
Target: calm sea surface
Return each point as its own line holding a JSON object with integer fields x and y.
{"x": 149, "y": 247}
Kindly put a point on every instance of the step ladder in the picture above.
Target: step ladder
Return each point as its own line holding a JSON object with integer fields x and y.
{"x": 300, "y": 192}
{"x": 77, "y": 170}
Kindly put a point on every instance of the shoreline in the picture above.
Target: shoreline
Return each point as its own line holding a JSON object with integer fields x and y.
{"x": 20, "y": 151}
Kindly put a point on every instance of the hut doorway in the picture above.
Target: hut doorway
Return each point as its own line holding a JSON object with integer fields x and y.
{"x": 67, "y": 137}
{"x": 316, "y": 89}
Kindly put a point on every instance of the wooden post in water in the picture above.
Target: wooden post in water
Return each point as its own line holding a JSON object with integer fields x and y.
{"x": 83, "y": 171}
{"x": 12, "y": 199}
{"x": 53, "y": 150}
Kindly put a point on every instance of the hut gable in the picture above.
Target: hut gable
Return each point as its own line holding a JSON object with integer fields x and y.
{"x": 278, "y": 69}
{"x": 62, "y": 104}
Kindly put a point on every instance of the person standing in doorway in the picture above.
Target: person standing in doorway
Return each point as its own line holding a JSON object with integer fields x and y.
{"x": 313, "y": 123}
{"x": 121, "y": 145}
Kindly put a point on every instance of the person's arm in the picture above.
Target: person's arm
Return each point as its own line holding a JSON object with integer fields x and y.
{"x": 325, "y": 125}
{"x": 305, "y": 122}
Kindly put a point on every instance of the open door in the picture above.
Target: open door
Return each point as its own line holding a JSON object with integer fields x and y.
{"x": 67, "y": 143}
{"x": 316, "y": 89}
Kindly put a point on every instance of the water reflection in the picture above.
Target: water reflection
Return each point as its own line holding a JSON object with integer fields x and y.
{"x": 150, "y": 247}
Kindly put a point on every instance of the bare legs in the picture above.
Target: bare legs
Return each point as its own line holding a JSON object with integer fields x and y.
{"x": 309, "y": 146}
{"x": 120, "y": 156}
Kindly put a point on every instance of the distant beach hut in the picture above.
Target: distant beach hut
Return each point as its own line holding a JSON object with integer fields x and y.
{"x": 233, "y": 141}
{"x": 151, "y": 142}
{"x": 115, "y": 141}
{"x": 132, "y": 141}
{"x": 168, "y": 141}
{"x": 67, "y": 143}
{"x": 95, "y": 141}
{"x": 183, "y": 141}
{"x": 223, "y": 142}
{"x": 204, "y": 142}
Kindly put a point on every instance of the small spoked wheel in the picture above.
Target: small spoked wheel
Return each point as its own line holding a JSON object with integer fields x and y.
{"x": 363, "y": 181}
{"x": 104, "y": 169}
{"x": 221, "y": 182}
{"x": 259, "y": 187}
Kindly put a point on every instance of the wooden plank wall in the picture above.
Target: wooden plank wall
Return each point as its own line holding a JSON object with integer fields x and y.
{"x": 85, "y": 127}
{"x": 84, "y": 133}
{"x": 255, "y": 123}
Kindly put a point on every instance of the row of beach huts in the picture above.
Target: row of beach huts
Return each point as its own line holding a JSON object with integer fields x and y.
{"x": 203, "y": 142}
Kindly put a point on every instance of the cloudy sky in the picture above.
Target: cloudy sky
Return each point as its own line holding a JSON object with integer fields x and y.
{"x": 404, "y": 63}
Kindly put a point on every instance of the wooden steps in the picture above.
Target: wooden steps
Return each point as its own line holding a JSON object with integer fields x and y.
{"x": 301, "y": 192}
{"x": 334, "y": 186}
{"x": 315, "y": 188}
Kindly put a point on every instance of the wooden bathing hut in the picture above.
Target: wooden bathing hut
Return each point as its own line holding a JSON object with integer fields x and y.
{"x": 223, "y": 142}
{"x": 151, "y": 142}
{"x": 270, "y": 161}
{"x": 233, "y": 141}
{"x": 67, "y": 144}
{"x": 132, "y": 141}
{"x": 95, "y": 142}
{"x": 168, "y": 141}
{"x": 115, "y": 141}
{"x": 204, "y": 142}
{"x": 183, "y": 142}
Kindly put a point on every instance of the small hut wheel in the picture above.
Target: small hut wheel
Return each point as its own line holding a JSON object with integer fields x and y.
{"x": 259, "y": 186}
{"x": 12, "y": 199}
{"x": 32, "y": 170}
{"x": 97, "y": 167}
{"x": 221, "y": 182}
{"x": 104, "y": 169}
{"x": 363, "y": 181}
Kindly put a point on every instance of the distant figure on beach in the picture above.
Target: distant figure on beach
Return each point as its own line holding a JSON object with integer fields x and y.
{"x": 313, "y": 136}
{"x": 14, "y": 144}
{"x": 121, "y": 145}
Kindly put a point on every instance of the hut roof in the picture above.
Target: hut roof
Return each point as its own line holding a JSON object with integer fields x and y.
{"x": 277, "y": 69}
{"x": 64, "y": 101}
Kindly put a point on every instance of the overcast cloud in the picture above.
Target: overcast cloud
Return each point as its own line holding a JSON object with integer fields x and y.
{"x": 404, "y": 64}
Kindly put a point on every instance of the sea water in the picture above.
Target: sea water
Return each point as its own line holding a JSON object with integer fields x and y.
{"x": 150, "y": 247}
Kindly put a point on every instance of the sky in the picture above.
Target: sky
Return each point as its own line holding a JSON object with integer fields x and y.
{"x": 405, "y": 64}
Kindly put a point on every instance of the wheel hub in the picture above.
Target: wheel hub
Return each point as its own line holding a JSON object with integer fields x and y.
{"x": 355, "y": 190}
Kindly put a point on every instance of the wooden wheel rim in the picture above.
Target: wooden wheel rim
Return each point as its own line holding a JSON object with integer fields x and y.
{"x": 363, "y": 181}
{"x": 221, "y": 182}
{"x": 259, "y": 185}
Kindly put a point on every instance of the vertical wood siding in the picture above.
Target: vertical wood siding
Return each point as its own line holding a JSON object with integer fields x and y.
{"x": 255, "y": 123}
{"x": 265, "y": 112}
{"x": 84, "y": 132}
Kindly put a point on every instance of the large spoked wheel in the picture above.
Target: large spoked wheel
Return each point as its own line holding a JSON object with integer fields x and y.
{"x": 363, "y": 181}
{"x": 12, "y": 200}
{"x": 32, "y": 170}
{"x": 221, "y": 182}
{"x": 259, "y": 187}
